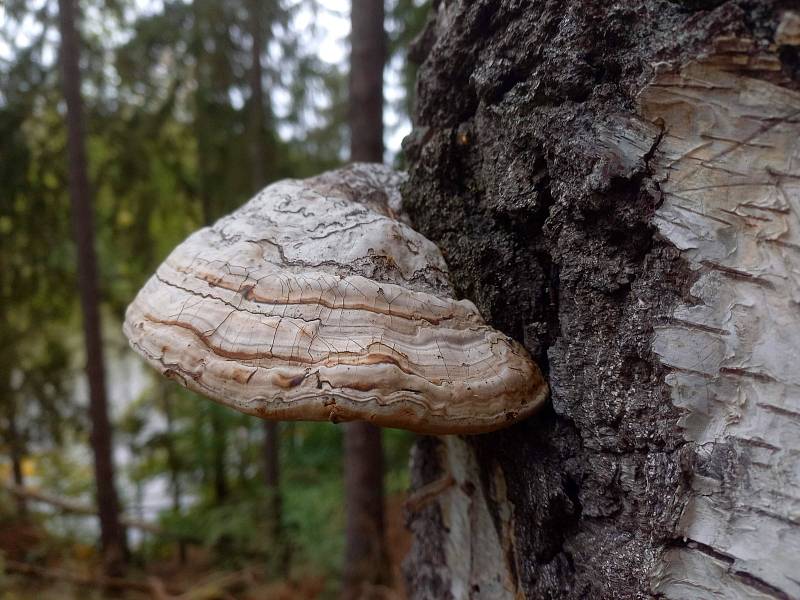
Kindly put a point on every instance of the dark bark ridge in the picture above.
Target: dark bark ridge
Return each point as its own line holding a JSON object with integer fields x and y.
{"x": 549, "y": 232}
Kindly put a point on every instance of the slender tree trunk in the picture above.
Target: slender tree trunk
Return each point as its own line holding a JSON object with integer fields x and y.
{"x": 17, "y": 453}
{"x": 111, "y": 531}
{"x": 201, "y": 127}
{"x": 201, "y": 124}
{"x": 272, "y": 482}
{"x": 271, "y": 452}
{"x": 173, "y": 460}
{"x": 365, "y": 561}
{"x": 367, "y": 58}
{"x": 219, "y": 443}
{"x": 259, "y": 155}
{"x": 219, "y": 432}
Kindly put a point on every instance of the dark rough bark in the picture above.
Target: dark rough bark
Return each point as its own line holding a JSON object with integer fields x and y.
{"x": 553, "y": 241}
{"x": 365, "y": 559}
{"x": 111, "y": 531}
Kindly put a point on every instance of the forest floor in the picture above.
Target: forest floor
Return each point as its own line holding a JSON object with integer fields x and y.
{"x": 35, "y": 566}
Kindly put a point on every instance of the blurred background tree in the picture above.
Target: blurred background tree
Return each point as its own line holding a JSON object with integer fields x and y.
{"x": 178, "y": 133}
{"x": 366, "y": 563}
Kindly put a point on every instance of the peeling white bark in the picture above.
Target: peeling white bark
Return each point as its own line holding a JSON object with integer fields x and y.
{"x": 474, "y": 547}
{"x": 479, "y": 555}
{"x": 729, "y": 166}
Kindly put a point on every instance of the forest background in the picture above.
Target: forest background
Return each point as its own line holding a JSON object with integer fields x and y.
{"x": 171, "y": 128}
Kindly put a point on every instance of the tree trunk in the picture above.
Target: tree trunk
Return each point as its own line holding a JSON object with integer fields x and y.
{"x": 201, "y": 126}
{"x": 367, "y": 57}
{"x": 365, "y": 560}
{"x": 365, "y": 557}
{"x": 219, "y": 434}
{"x": 258, "y": 153}
{"x": 219, "y": 447}
{"x": 616, "y": 186}
{"x": 259, "y": 156}
{"x": 17, "y": 452}
{"x": 272, "y": 481}
{"x": 111, "y": 531}
{"x": 173, "y": 459}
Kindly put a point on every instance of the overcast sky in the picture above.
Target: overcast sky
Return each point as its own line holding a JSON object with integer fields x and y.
{"x": 329, "y": 42}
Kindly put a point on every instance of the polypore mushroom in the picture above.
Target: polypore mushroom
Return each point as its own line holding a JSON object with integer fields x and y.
{"x": 314, "y": 301}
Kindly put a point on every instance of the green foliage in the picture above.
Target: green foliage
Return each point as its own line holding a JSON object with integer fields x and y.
{"x": 168, "y": 118}
{"x": 315, "y": 520}
{"x": 37, "y": 304}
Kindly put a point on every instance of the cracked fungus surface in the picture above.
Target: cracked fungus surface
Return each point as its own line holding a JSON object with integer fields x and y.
{"x": 315, "y": 301}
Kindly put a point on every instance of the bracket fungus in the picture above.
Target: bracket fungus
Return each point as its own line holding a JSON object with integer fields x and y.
{"x": 316, "y": 301}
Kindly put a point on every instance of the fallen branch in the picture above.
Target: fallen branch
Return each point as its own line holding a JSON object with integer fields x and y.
{"x": 100, "y": 581}
{"x": 72, "y": 506}
{"x": 426, "y": 494}
{"x": 217, "y": 585}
